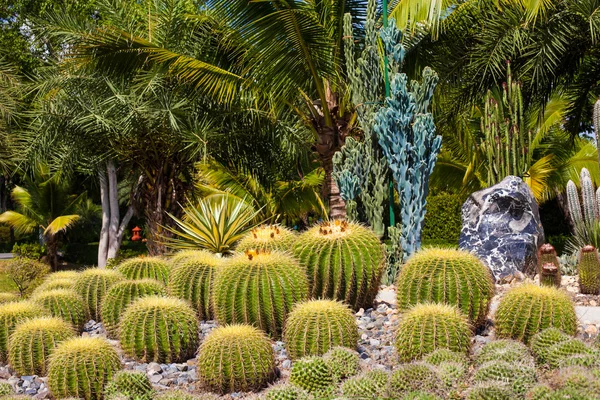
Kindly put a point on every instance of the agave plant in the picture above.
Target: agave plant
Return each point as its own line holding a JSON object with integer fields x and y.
{"x": 215, "y": 223}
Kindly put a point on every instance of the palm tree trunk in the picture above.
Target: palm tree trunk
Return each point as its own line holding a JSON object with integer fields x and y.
{"x": 104, "y": 201}
{"x": 52, "y": 251}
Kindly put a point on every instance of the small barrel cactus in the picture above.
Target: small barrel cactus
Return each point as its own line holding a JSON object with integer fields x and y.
{"x": 33, "y": 341}
{"x": 368, "y": 385}
{"x": 6, "y": 389}
{"x": 269, "y": 238}
{"x": 520, "y": 378}
{"x": 92, "y": 284}
{"x": 490, "y": 391}
{"x": 419, "y": 395}
{"x": 47, "y": 285}
{"x": 286, "y": 392}
{"x": 344, "y": 261}
{"x": 182, "y": 395}
{"x": 548, "y": 266}
{"x": 581, "y": 381}
{"x": 427, "y": 327}
{"x": 236, "y": 358}
{"x": 343, "y": 362}
{"x": 181, "y": 256}
{"x": 159, "y": 329}
{"x": 316, "y": 326}
{"x": 260, "y": 289}
{"x": 452, "y": 373}
{"x": 145, "y": 268}
{"x": 80, "y": 367}
{"x": 121, "y": 295}
{"x": 312, "y": 374}
{"x": 131, "y": 385}
{"x": 60, "y": 275}
{"x": 65, "y": 304}
{"x": 589, "y": 270}
{"x": 562, "y": 350}
{"x": 7, "y": 297}
{"x": 507, "y": 350}
{"x": 12, "y": 314}
{"x": 449, "y": 276}
{"x": 588, "y": 360}
{"x": 444, "y": 355}
{"x": 529, "y": 309}
{"x": 192, "y": 280}
{"x": 415, "y": 377}
{"x": 544, "y": 340}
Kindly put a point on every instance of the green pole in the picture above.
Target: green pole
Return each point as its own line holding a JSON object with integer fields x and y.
{"x": 387, "y": 94}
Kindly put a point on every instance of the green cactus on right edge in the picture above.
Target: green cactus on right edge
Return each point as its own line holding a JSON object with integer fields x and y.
{"x": 145, "y": 268}
{"x": 562, "y": 350}
{"x": 548, "y": 266}
{"x": 529, "y": 309}
{"x": 343, "y": 362}
{"x": 543, "y": 341}
{"x": 579, "y": 380}
{"x": 368, "y": 385}
{"x": 11, "y": 315}
{"x": 427, "y": 327}
{"x": 589, "y": 270}
{"x": 312, "y": 374}
{"x": 92, "y": 284}
{"x": 269, "y": 238}
{"x": 132, "y": 385}
{"x": 80, "y": 367}
{"x": 518, "y": 377}
{"x": 507, "y": 350}
{"x": 415, "y": 377}
{"x": 65, "y": 304}
{"x": 286, "y": 392}
{"x": 490, "y": 391}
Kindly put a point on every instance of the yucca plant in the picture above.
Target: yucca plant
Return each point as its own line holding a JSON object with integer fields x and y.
{"x": 81, "y": 367}
{"x": 192, "y": 280}
{"x": 130, "y": 385}
{"x": 92, "y": 284}
{"x": 428, "y": 327}
{"x": 529, "y": 309}
{"x": 12, "y": 314}
{"x": 121, "y": 295}
{"x": 145, "y": 268}
{"x": 7, "y": 297}
{"x": 258, "y": 288}
{"x": 449, "y": 276}
{"x": 65, "y": 304}
{"x": 588, "y": 265}
{"x": 415, "y": 377}
{"x": 33, "y": 341}
{"x": 236, "y": 358}
{"x": 344, "y": 261}
{"x": 159, "y": 329}
{"x": 215, "y": 223}
{"x": 268, "y": 237}
{"x": 316, "y": 326}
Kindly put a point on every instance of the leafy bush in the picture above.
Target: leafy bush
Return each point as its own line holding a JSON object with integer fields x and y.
{"x": 32, "y": 251}
{"x": 11, "y": 315}
{"x": 443, "y": 218}
{"x": 26, "y": 273}
{"x": 65, "y": 304}
{"x": 92, "y": 284}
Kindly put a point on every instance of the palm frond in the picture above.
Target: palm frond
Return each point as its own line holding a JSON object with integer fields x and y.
{"x": 61, "y": 224}
{"x": 22, "y": 224}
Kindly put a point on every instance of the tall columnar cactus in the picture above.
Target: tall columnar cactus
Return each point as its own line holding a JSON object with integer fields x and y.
{"x": 344, "y": 261}
{"x": 130, "y": 385}
{"x": 587, "y": 210}
{"x": 145, "y": 268}
{"x": 589, "y": 270}
{"x": 349, "y": 174}
{"x": 427, "y": 327}
{"x": 528, "y": 309}
{"x": 236, "y": 358}
{"x": 65, "y": 304}
{"x": 258, "y": 288}
{"x": 12, "y": 314}
{"x": 33, "y": 341}
{"x": 159, "y": 329}
{"x": 192, "y": 280}
{"x": 121, "y": 295}
{"x": 80, "y": 367}
{"x": 548, "y": 266}
{"x": 268, "y": 238}
{"x": 448, "y": 276}
{"x": 92, "y": 284}
{"x": 316, "y": 326}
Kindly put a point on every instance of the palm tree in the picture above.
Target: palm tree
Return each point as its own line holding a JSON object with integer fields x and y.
{"x": 44, "y": 205}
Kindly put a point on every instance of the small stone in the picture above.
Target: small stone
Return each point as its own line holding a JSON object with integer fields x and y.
{"x": 287, "y": 364}
{"x": 360, "y": 312}
{"x": 154, "y": 368}
{"x": 30, "y": 391}
{"x": 156, "y": 378}
{"x": 374, "y": 342}
{"x": 591, "y": 330}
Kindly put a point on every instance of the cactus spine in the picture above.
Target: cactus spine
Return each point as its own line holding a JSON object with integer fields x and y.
{"x": 65, "y": 304}
{"x": 312, "y": 374}
{"x": 343, "y": 362}
{"x": 548, "y": 266}
{"x": 92, "y": 284}
{"x": 129, "y": 385}
{"x": 586, "y": 211}
{"x": 6, "y": 297}
{"x": 268, "y": 238}
{"x": 145, "y": 268}
{"x": 589, "y": 270}
{"x": 506, "y": 350}
{"x": 544, "y": 340}
{"x": 414, "y": 377}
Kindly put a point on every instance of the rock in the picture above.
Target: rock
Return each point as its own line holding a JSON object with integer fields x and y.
{"x": 388, "y": 296}
{"x": 154, "y": 368}
{"x": 156, "y": 378}
{"x": 501, "y": 225}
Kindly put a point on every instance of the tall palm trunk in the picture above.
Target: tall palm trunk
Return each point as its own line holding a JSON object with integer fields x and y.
{"x": 52, "y": 251}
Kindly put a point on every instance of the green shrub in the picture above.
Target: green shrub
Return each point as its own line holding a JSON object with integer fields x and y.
{"x": 286, "y": 392}
{"x": 236, "y": 358}
{"x": 131, "y": 385}
{"x": 92, "y": 284}
{"x": 269, "y": 238}
{"x": 121, "y": 295}
{"x": 507, "y": 350}
{"x": 192, "y": 280}
{"x": 33, "y": 341}
{"x": 159, "y": 329}
{"x": 343, "y": 362}
{"x": 442, "y": 355}
{"x": 428, "y": 327}
{"x": 258, "y": 289}
{"x": 7, "y": 297}
{"x": 443, "y": 217}
{"x": 80, "y": 368}
{"x": 368, "y": 385}
{"x": 544, "y": 340}
{"x": 589, "y": 270}
{"x": 490, "y": 391}
{"x": 454, "y": 277}
{"x": 562, "y": 350}
{"x": 65, "y": 304}
{"x": 312, "y": 374}
{"x": 12, "y": 314}
{"x": 344, "y": 261}
{"x": 316, "y": 326}
{"x": 414, "y": 377}
{"x": 518, "y": 377}
{"x": 529, "y": 309}
{"x": 32, "y": 251}
{"x": 26, "y": 273}
{"x": 145, "y": 268}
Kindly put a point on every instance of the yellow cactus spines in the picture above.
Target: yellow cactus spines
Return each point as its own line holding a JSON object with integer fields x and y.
{"x": 7, "y": 297}
{"x": 132, "y": 385}
{"x": 92, "y": 284}
{"x": 450, "y": 276}
{"x": 236, "y": 358}
{"x": 529, "y": 309}
{"x": 177, "y": 258}
{"x": 192, "y": 280}
{"x": 65, "y": 304}
{"x": 145, "y": 268}
{"x": 344, "y": 261}
{"x": 159, "y": 329}
{"x": 316, "y": 326}
{"x": 12, "y": 314}
{"x": 258, "y": 288}
{"x": 72, "y": 275}
{"x": 428, "y": 327}
{"x": 33, "y": 341}
{"x": 267, "y": 237}
{"x": 81, "y": 367}
{"x": 588, "y": 265}
{"x": 62, "y": 283}
{"x": 121, "y": 295}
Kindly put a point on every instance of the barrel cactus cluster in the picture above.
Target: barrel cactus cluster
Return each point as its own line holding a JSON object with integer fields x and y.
{"x": 65, "y": 304}
{"x": 92, "y": 284}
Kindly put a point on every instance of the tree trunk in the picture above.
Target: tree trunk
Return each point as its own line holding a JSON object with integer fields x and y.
{"x": 113, "y": 201}
{"x": 331, "y": 192}
{"x": 104, "y": 200}
{"x": 52, "y": 251}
